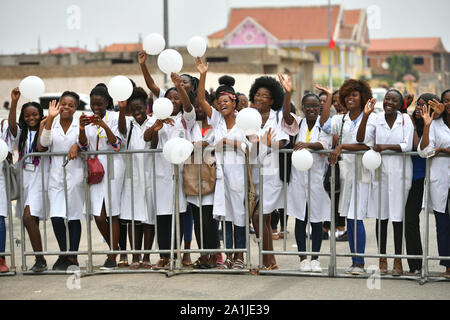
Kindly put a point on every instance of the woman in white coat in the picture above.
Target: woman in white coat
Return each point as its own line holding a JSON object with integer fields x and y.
{"x": 178, "y": 125}
{"x": 229, "y": 192}
{"x": 5, "y": 136}
{"x": 62, "y": 136}
{"x": 100, "y": 132}
{"x": 436, "y": 139}
{"x": 132, "y": 130}
{"x": 394, "y": 131}
{"x": 25, "y": 136}
{"x": 354, "y": 95}
{"x": 307, "y": 133}
{"x": 266, "y": 94}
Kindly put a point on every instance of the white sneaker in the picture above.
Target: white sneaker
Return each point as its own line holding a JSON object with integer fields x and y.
{"x": 358, "y": 271}
{"x": 349, "y": 270}
{"x": 305, "y": 266}
{"x": 315, "y": 266}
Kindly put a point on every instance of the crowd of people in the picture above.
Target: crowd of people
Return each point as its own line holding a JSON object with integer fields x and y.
{"x": 209, "y": 119}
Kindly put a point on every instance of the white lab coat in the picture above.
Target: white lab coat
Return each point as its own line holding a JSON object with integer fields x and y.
{"x": 229, "y": 193}
{"x": 142, "y": 165}
{"x": 99, "y": 192}
{"x": 272, "y": 185}
{"x": 62, "y": 142}
{"x": 165, "y": 170}
{"x": 439, "y": 137}
{"x": 297, "y": 192}
{"x": 196, "y": 135}
{"x": 361, "y": 178}
{"x": 34, "y": 191}
{"x": 6, "y": 136}
{"x": 393, "y": 200}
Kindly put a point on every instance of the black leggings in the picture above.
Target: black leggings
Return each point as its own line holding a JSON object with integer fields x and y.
{"x": 164, "y": 228}
{"x": 59, "y": 227}
{"x": 412, "y": 224}
{"x": 398, "y": 229}
{"x": 208, "y": 226}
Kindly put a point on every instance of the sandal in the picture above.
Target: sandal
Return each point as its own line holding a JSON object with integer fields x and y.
{"x": 227, "y": 264}
{"x": 146, "y": 265}
{"x": 162, "y": 264}
{"x": 134, "y": 266}
{"x": 123, "y": 264}
{"x": 271, "y": 267}
{"x": 238, "y": 264}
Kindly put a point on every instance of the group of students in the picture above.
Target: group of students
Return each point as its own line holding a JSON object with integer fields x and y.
{"x": 210, "y": 120}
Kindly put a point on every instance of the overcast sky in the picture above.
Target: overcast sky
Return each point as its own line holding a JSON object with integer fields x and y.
{"x": 110, "y": 21}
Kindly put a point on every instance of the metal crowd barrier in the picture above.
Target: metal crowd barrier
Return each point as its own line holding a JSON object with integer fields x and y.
{"x": 175, "y": 264}
{"x": 332, "y": 253}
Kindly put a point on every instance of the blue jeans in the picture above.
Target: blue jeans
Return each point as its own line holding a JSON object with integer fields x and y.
{"x": 443, "y": 235}
{"x": 240, "y": 236}
{"x": 300, "y": 236}
{"x": 2, "y": 235}
{"x": 361, "y": 239}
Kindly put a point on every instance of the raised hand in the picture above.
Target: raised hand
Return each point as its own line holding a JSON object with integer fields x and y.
{"x": 286, "y": 82}
{"x": 437, "y": 107}
{"x": 324, "y": 89}
{"x": 142, "y": 56}
{"x": 15, "y": 94}
{"x": 409, "y": 98}
{"x": 370, "y": 106}
{"x": 54, "y": 109}
{"x": 268, "y": 137}
{"x": 425, "y": 114}
{"x": 122, "y": 104}
{"x": 175, "y": 79}
{"x": 42, "y": 123}
{"x": 84, "y": 120}
{"x": 201, "y": 67}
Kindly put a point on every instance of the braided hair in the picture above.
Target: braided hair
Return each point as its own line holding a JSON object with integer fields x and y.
{"x": 24, "y": 128}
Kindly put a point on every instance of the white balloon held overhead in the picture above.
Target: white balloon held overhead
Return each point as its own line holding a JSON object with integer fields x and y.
{"x": 120, "y": 88}
{"x": 371, "y": 159}
{"x": 196, "y": 46}
{"x": 177, "y": 150}
{"x": 249, "y": 120}
{"x": 153, "y": 44}
{"x": 162, "y": 108}
{"x": 32, "y": 87}
{"x": 170, "y": 61}
{"x": 3, "y": 150}
{"x": 302, "y": 159}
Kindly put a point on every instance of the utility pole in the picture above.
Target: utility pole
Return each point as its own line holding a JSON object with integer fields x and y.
{"x": 330, "y": 72}
{"x": 166, "y": 34}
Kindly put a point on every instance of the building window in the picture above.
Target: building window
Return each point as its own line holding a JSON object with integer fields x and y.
{"x": 29, "y": 63}
{"x": 316, "y": 55}
{"x": 418, "y": 61}
{"x": 119, "y": 61}
{"x": 270, "y": 68}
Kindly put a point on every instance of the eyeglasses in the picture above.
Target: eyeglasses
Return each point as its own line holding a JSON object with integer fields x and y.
{"x": 262, "y": 96}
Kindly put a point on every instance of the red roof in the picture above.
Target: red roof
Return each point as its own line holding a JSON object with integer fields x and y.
{"x": 406, "y": 44}
{"x": 65, "y": 50}
{"x": 352, "y": 17}
{"x": 304, "y": 23}
{"x": 123, "y": 47}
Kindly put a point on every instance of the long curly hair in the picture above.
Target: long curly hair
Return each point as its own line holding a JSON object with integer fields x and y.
{"x": 351, "y": 85}
{"x": 275, "y": 88}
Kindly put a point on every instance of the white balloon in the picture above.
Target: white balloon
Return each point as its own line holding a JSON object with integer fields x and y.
{"x": 302, "y": 159}
{"x": 181, "y": 150}
{"x": 32, "y": 87}
{"x": 249, "y": 120}
{"x": 162, "y": 108}
{"x": 196, "y": 46}
{"x": 3, "y": 150}
{"x": 153, "y": 44}
{"x": 371, "y": 159}
{"x": 120, "y": 88}
{"x": 170, "y": 61}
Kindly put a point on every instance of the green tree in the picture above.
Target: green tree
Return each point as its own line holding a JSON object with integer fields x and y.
{"x": 400, "y": 65}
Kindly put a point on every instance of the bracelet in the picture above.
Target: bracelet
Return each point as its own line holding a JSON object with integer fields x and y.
{"x": 82, "y": 147}
{"x": 116, "y": 146}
